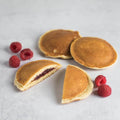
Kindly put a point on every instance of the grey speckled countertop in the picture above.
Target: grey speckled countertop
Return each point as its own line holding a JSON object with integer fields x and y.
{"x": 26, "y": 21}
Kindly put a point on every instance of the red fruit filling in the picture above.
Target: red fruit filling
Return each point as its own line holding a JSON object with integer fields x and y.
{"x": 43, "y": 73}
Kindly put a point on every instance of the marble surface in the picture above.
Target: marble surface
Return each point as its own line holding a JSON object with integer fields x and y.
{"x": 26, "y": 21}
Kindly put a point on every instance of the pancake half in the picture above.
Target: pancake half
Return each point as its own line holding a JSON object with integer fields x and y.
{"x": 93, "y": 52}
{"x": 34, "y": 72}
{"x": 56, "y": 43}
{"x": 77, "y": 84}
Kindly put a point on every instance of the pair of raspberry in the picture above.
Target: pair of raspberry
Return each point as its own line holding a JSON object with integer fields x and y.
{"x": 25, "y": 54}
{"x": 103, "y": 89}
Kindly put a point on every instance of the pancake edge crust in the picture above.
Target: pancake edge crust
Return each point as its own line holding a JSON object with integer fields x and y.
{"x": 29, "y": 84}
{"x": 82, "y": 95}
{"x": 78, "y": 61}
{"x": 45, "y": 53}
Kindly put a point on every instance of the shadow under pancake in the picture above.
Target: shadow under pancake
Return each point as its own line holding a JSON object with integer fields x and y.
{"x": 73, "y": 62}
{"x": 37, "y": 46}
{"x": 59, "y": 85}
{"x": 12, "y": 77}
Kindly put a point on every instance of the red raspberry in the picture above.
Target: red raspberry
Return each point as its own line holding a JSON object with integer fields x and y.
{"x": 100, "y": 80}
{"x": 14, "y": 61}
{"x": 104, "y": 90}
{"x": 26, "y": 54}
{"x": 15, "y": 47}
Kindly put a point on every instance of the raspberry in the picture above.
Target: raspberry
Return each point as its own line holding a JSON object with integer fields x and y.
{"x": 14, "y": 61}
{"x": 100, "y": 80}
{"x": 26, "y": 54}
{"x": 15, "y": 47}
{"x": 104, "y": 90}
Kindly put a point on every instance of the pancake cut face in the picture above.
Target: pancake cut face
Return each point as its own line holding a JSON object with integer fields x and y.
{"x": 34, "y": 72}
{"x": 56, "y": 43}
{"x": 93, "y": 52}
{"x": 77, "y": 84}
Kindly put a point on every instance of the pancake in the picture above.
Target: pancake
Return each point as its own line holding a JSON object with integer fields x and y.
{"x": 93, "y": 52}
{"x": 77, "y": 85}
{"x": 56, "y": 43}
{"x": 34, "y": 72}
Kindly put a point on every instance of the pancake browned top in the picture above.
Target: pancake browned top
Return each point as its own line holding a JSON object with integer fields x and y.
{"x": 76, "y": 81}
{"x": 93, "y": 52}
{"x": 25, "y": 72}
{"x": 56, "y": 43}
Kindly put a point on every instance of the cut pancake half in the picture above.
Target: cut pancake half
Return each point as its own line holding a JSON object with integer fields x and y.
{"x": 56, "y": 43}
{"x": 77, "y": 85}
{"x": 34, "y": 72}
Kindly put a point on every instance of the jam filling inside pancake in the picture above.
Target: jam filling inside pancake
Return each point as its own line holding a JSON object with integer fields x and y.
{"x": 43, "y": 73}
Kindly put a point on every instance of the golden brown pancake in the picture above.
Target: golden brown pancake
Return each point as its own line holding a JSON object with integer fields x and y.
{"x": 93, "y": 52}
{"x": 77, "y": 84}
{"x": 56, "y": 43}
{"x": 34, "y": 72}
